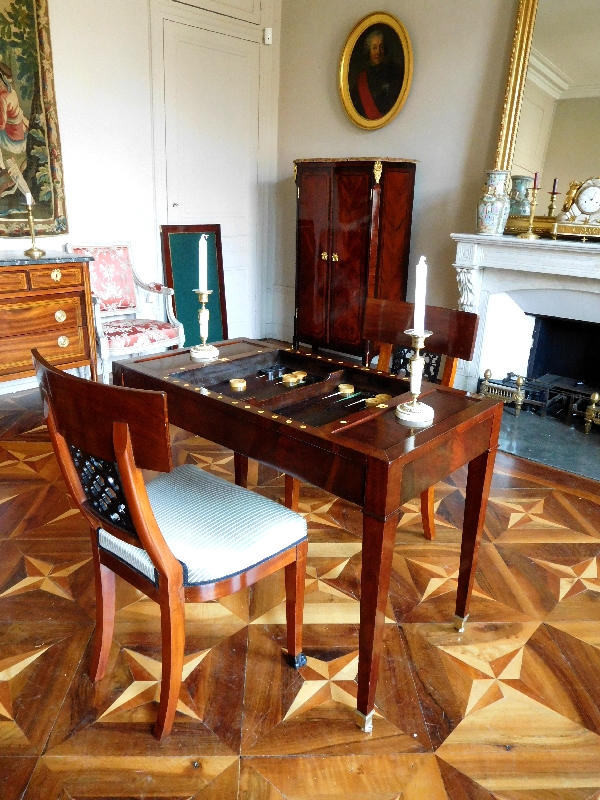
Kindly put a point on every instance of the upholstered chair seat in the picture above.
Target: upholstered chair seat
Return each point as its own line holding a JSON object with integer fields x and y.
{"x": 217, "y": 530}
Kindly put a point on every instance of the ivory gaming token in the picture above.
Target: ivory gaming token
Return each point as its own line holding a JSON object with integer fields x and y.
{"x": 300, "y": 374}
{"x": 371, "y": 402}
{"x": 289, "y": 379}
{"x": 382, "y": 398}
{"x": 238, "y": 384}
{"x": 346, "y": 388}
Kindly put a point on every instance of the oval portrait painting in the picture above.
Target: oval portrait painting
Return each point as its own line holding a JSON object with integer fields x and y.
{"x": 376, "y": 70}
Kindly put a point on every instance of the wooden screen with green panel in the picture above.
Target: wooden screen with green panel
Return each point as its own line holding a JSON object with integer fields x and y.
{"x": 180, "y": 252}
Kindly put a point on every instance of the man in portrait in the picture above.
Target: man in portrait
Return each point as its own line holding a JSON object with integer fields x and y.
{"x": 378, "y": 84}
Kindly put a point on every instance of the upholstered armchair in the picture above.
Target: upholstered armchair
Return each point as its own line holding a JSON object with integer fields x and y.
{"x": 120, "y": 328}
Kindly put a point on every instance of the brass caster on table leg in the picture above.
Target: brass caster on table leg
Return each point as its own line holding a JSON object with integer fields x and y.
{"x": 297, "y": 661}
{"x": 365, "y": 723}
{"x": 459, "y": 623}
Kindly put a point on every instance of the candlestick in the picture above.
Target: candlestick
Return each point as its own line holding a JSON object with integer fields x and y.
{"x": 33, "y": 252}
{"x": 420, "y": 291}
{"x": 415, "y": 413}
{"x": 553, "y": 195}
{"x": 203, "y": 352}
{"x": 529, "y": 234}
{"x": 203, "y": 263}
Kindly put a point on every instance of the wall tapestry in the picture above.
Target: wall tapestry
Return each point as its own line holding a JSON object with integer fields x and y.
{"x": 30, "y": 157}
{"x": 376, "y": 70}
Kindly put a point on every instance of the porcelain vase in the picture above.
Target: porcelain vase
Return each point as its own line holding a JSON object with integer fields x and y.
{"x": 519, "y": 195}
{"x": 494, "y": 206}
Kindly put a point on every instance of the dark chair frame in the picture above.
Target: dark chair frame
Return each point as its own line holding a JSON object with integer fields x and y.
{"x": 454, "y": 335}
{"x": 129, "y": 428}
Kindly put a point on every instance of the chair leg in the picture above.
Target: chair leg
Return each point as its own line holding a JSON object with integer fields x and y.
{"x": 428, "y": 513}
{"x": 295, "y": 574}
{"x": 172, "y": 627}
{"x": 292, "y": 492}
{"x": 105, "y": 616}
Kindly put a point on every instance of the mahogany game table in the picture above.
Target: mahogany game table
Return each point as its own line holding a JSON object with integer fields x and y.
{"x": 335, "y": 442}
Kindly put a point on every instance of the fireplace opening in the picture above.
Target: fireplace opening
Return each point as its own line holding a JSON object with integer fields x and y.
{"x": 566, "y": 348}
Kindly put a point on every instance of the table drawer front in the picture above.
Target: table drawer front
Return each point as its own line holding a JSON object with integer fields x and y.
{"x": 58, "y": 346}
{"x": 13, "y": 281}
{"x": 21, "y": 318}
{"x": 55, "y": 276}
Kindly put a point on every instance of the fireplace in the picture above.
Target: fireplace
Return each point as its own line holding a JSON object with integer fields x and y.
{"x": 538, "y": 303}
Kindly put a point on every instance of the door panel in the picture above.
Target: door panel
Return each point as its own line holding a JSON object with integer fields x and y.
{"x": 350, "y": 225}
{"x": 314, "y": 208}
{"x": 394, "y": 232}
{"x": 211, "y": 104}
{"x": 248, "y": 10}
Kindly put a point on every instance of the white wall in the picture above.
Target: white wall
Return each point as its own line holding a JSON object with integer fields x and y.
{"x": 102, "y": 77}
{"x": 450, "y": 121}
{"x": 535, "y": 125}
{"x": 574, "y": 146}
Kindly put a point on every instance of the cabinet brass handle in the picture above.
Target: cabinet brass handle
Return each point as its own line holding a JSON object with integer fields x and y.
{"x": 63, "y": 341}
{"x": 324, "y": 256}
{"x": 60, "y": 316}
{"x": 335, "y": 257}
{"x": 56, "y": 275}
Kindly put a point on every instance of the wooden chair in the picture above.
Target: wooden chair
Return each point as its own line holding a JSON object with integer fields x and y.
{"x": 454, "y": 334}
{"x": 184, "y": 536}
{"x": 120, "y": 330}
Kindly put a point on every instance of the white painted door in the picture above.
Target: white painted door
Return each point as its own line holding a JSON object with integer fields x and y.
{"x": 211, "y": 113}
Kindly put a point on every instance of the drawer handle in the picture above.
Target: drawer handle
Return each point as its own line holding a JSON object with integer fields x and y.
{"x": 56, "y": 275}
{"x": 324, "y": 256}
{"x": 335, "y": 257}
{"x": 63, "y": 341}
{"x": 60, "y": 316}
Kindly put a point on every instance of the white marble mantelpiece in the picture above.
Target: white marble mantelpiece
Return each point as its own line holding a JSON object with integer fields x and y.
{"x": 505, "y": 280}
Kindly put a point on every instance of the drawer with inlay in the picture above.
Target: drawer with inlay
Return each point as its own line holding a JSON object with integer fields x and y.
{"x": 53, "y": 277}
{"x": 13, "y": 281}
{"x": 22, "y": 317}
{"x": 68, "y": 344}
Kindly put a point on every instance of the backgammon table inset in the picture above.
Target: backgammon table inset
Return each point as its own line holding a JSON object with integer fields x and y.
{"x": 346, "y": 440}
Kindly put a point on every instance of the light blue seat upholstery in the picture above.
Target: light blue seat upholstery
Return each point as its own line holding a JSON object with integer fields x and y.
{"x": 214, "y": 528}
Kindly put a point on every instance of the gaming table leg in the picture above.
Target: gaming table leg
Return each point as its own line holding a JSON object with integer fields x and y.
{"x": 292, "y": 492}
{"x": 377, "y": 554}
{"x": 240, "y": 466}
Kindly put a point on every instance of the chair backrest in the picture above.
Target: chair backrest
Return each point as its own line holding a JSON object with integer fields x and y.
{"x": 454, "y": 332}
{"x": 81, "y": 417}
{"x": 111, "y": 276}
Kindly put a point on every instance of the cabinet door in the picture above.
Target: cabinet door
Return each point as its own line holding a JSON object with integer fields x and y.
{"x": 313, "y": 252}
{"x": 351, "y": 220}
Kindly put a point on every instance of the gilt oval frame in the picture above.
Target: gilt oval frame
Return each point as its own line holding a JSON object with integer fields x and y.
{"x": 377, "y": 18}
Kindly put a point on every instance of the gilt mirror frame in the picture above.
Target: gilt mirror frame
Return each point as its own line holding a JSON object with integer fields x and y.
{"x": 517, "y": 74}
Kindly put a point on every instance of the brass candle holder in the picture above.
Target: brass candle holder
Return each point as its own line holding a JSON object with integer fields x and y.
{"x": 33, "y": 252}
{"x": 414, "y": 413}
{"x": 552, "y": 206}
{"x": 203, "y": 352}
{"x": 529, "y": 234}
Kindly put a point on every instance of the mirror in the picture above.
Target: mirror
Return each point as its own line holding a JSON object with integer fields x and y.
{"x": 551, "y": 122}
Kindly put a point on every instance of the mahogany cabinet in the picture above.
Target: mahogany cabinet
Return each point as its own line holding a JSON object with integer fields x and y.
{"x": 45, "y": 304}
{"x": 352, "y": 242}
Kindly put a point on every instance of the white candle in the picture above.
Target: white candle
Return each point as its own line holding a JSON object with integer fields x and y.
{"x": 28, "y": 198}
{"x": 420, "y": 289}
{"x": 203, "y": 262}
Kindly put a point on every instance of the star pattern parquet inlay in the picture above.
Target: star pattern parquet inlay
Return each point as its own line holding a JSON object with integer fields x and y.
{"x": 508, "y": 710}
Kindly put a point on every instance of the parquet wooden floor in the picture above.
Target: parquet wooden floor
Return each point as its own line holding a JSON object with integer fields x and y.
{"x": 508, "y": 711}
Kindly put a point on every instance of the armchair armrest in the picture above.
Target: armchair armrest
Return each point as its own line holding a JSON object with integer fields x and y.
{"x": 154, "y": 288}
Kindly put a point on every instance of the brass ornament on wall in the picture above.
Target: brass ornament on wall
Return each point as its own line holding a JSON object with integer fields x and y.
{"x": 375, "y": 70}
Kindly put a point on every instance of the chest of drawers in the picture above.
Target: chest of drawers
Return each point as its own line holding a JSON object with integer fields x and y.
{"x": 45, "y": 304}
